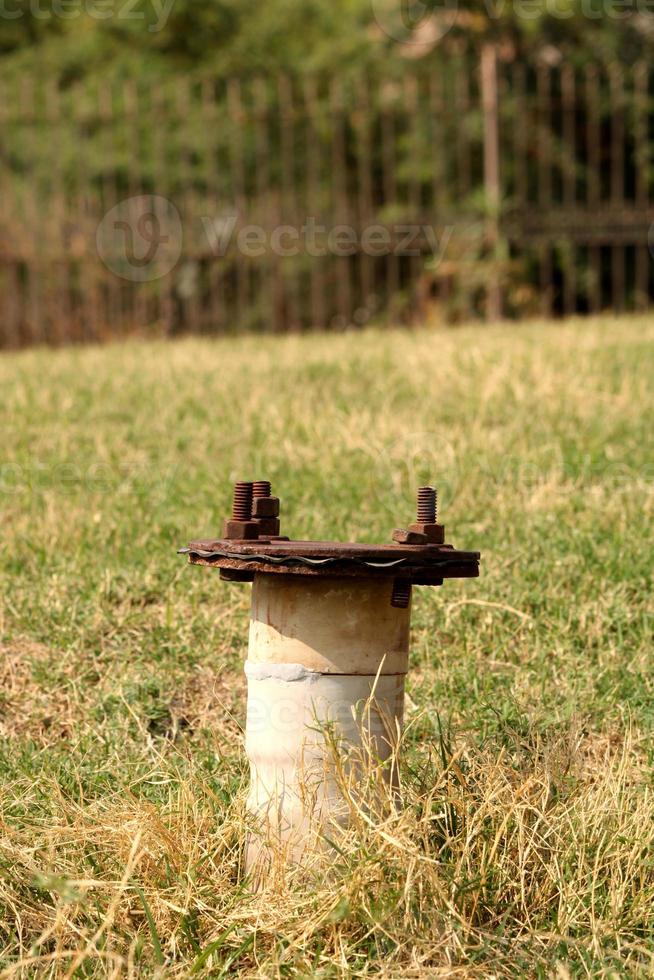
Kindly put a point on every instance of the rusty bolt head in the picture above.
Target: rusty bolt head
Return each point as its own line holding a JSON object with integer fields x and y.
{"x": 265, "y": 507}
{"x": 240, "y": 530}
{"x": 401, "y": 536}
{"x": 435, "y": 533}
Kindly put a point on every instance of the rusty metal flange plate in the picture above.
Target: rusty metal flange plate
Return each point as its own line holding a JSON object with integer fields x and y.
{"x": 420, "y": 564}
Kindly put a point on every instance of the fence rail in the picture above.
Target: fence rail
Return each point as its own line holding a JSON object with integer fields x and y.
{"x": 471, "y": 187}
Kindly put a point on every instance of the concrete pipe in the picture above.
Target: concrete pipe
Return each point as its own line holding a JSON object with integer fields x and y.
{"x": 327, "y": 660}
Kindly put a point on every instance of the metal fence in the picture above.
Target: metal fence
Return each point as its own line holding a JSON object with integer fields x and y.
{"x": 469, "y": 187}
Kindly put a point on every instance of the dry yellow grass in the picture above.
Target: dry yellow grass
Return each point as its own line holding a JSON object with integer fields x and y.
{"x": 495, "y": 862}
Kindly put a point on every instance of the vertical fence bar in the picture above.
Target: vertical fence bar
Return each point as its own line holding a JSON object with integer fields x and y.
{"x": 569, "y": 181}
{"x": 97, "y": 326}
{"x": 544, "y": 93}
{"x": 138, "y": 312}
{"x": 313, "y": 199}
{"x": 11, "y": 320}
{"x": 164, "y": 185}
{"x": 642, "y": 152}
{"x": 543, "y": 90}
{"x": 211, "y": 199}
{"x": 593, "y": 185}
{"x": 413, "y": 202}
{"x": 107, "y": 192}
{"x": 519, "y": 145}
{"x": 239, "y": 199}
{"x": 34, "y": 263}
{"x": 436, "y": 107}
{"x": 462, "y": 103}
{"x": 365, "y": 205}
{"x": 389, "y": 184}
{"x": 435, "y": 130}
{"x": 618, "y": 251}
{"x": 289, "y": 209}
{"x": 93, "y": 326}
{"x": 181, "y": 168}
{"x": 261, "y": 141}
{"x": 521, "y": 131}
{"x": 340, "y": 209}
{"x": 72, "y": 220}
{"x": 56, "y": 271}
{"x": 270, "y": 207}
{"x": 492, "y": 187}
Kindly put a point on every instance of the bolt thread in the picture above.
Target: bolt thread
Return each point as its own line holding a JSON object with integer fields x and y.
{"x": 242, "y": 508}
{"x": 261, "y": 488}
{"x": 427, "y": 505}
{"x": 401, "y": 594}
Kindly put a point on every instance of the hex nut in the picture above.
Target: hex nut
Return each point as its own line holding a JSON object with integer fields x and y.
{"x": 267, "y": 526}
{"x": 240, "y": 530}
{"x": 435, "y": 532}
{"x": 265, "y": 507}
{"x": 402, "y": 536}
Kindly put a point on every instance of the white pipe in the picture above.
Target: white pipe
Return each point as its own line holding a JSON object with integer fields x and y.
{"x": 322, "y": 652}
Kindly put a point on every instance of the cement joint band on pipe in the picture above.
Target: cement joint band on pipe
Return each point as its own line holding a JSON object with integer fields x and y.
{"x": 331, "y": 625}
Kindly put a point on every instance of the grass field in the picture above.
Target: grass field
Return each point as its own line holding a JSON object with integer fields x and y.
{"x": 526, "y": 843}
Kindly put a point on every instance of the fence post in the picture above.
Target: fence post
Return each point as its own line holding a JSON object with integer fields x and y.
{"x": 492, "y": 192}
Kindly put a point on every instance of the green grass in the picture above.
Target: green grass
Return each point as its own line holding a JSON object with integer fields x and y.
{"x": 121, "y": 760}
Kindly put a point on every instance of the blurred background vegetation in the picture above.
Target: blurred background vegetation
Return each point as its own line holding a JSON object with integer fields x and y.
{"x": 519, "y": 133}
{"x": 242, "y": 36}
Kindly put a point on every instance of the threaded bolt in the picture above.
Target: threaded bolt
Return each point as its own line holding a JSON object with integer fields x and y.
{"x": 427, "y": 505}
{"x": 261, "y": 488}
{"x": 401, "y": 596}
{"x": 242, "y": 508}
